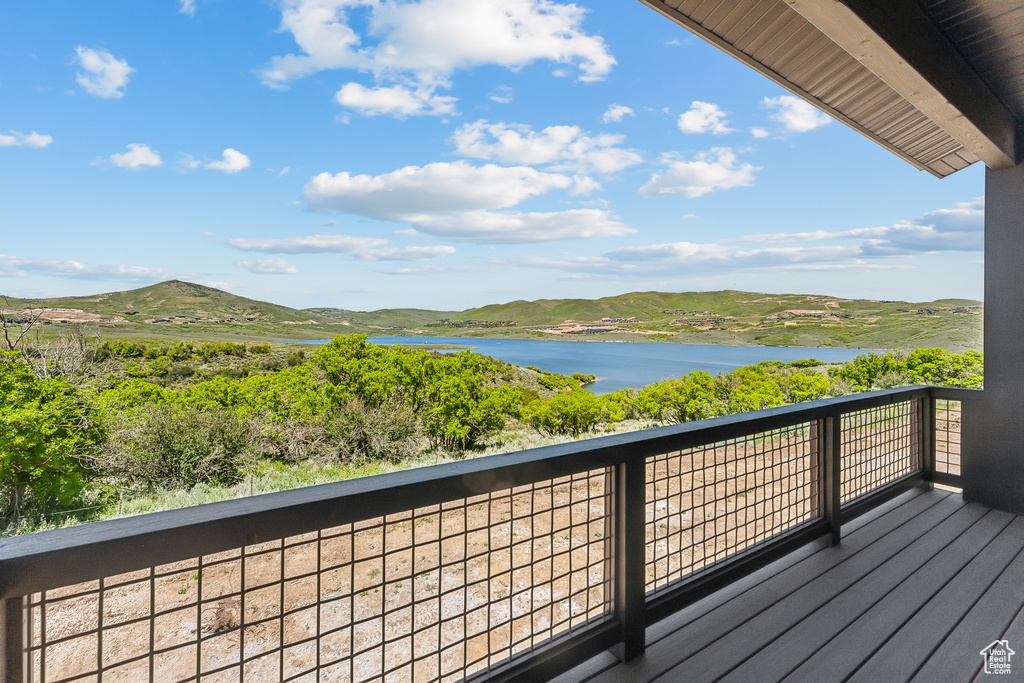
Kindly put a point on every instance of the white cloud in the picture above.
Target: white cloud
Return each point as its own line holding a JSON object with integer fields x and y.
{"x": 137, "y": 156}
{"x": 103, "y": 74}
{"x": 458, "y": 201}
{"x": 14, "y": 266}
{"x": 862, "y": 249}
{"x": 564, "y": 148}
{"x": 405, "y": 253}
{"x": 759, "y": 132}
{"x": 502, "y": 95}
{"x": 704, "y": 117}
{"x": 493, "y": 227}
{"x": 714, "y": 170}
{"x": 440, "y": 187}
{"x": 615, "y": 113}
{"x": 188, "y": 7}
{"x": 310, "y": 244}
{"x": 397, "y": 100}
{"x": 217, "y": 284}
{"x": 360, "y": 249}
{"x": 15, "y": 139}
{"x": 232, "y": 161}
{"x": 420, "y": 44}
{"x": 673, "y": 258}
{"x": 187, "y": 162}
{"x": 274, "y": 266}
{"x": 796, "y": 115}
{"x": 958, "y": 229}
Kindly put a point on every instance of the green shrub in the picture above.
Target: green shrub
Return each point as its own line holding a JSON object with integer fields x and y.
{"x": 806, "y": 386}
{"x": 572, "y": 412}
{"x": 179, "y": 446}
{"x": 372, "y": 434}
{"x": 695, "y": 396}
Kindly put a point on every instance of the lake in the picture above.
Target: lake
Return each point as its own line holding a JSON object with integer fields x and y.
{"x": 619, "y": 365}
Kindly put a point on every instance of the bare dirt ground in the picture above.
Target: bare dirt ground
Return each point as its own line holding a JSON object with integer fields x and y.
{"x": 63, "y": 315}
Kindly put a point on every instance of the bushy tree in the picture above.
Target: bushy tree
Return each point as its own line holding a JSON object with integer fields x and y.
{"x": 938, "y": 366}
{"x": 573, "y": 412}
{"x": 864, "y": 371}
{"x": 49, "y": 431}
{"x": 753, "y": 387}
{"x": 924, "y": 366}
{"x": 806, "y": 386}
{"x": 696, "y": 396}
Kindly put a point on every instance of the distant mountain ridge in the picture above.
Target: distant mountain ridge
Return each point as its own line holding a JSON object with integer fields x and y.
{"x": 721, "y": 317}
{"x": 175, "y": 299}
{"x": 644, "y": 306}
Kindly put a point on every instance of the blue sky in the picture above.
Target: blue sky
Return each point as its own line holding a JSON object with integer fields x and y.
{"x": 440, "y": 154}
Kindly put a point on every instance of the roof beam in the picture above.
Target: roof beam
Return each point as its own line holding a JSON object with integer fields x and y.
{"x": 900, "y": 44}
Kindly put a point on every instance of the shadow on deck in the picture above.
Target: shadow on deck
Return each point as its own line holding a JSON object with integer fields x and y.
{"x": 917, "y": 588}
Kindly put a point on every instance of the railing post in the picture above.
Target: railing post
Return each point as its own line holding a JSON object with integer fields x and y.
{"x": 926, "y": 436}
{"x": 630, "y": 550}
{"x": 12, "y": 639}
{"x": 830, "y": 439}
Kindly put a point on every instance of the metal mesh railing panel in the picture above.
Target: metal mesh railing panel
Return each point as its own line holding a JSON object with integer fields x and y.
{"x": 708, "y": 503}
{"x": 433, "y": 594}
{"x": 947, "y": 436}
{"x": 879, "y": 445}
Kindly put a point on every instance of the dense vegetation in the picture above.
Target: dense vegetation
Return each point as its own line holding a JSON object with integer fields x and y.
{"x": 82, "y": 423}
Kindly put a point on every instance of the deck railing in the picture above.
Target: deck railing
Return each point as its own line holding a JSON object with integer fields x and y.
{"x": 506, "y": 567}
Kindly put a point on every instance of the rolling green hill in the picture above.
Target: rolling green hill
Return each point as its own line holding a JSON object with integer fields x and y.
{"x": 725, "y": 317}
{"x": 175, "y": 299}
{"x": 404, "y": 318}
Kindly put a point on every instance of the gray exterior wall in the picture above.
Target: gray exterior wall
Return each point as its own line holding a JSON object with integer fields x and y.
{"x": 993, "y": 427}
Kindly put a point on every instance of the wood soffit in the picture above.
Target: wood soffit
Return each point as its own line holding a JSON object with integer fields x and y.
{"x": 939, "y": 83}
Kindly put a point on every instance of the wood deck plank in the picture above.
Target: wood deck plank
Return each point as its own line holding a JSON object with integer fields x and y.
{"x": 842, "y": 655}
{"x": 588, "y": 669}
{"x": 959, "y": 656}
{"x": 800, "y": 640}
{"x": 695, "y": 635}
{"x": 1014, "y": 635}
{"x": 720, "y": 655}
{"x": 910, "y": 647}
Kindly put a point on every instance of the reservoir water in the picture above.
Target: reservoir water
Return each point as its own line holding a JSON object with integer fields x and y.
{"x": 626, "y": 364}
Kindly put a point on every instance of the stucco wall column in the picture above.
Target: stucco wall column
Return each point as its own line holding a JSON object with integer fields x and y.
{"x": 993, "y": 427}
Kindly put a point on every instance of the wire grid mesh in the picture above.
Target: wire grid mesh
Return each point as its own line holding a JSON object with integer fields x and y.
{"x": 947, "y": 436}
{"x": 878, "y": 445}
{"x": 433, "y": 594}
{"x": 708, "y": 503}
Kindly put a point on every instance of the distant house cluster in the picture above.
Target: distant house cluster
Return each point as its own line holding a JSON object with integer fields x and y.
{"x": 476, "y": 324}
{"x": 803, "y": 313}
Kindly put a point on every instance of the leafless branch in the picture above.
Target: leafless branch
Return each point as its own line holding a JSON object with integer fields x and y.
{"x": 24, "y": 325}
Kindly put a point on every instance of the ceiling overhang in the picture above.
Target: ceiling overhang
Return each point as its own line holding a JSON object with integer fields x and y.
{"x": 883, "y": 67}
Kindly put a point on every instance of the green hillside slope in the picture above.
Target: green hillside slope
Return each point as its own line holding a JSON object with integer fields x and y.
{"x": 724, "y": 317}
{"x": 175, "y": 299}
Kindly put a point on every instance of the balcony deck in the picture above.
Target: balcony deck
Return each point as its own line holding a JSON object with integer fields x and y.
{"x": 915, "y": 590}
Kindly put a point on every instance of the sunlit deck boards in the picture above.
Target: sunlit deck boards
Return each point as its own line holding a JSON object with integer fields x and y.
{"x": 916, "y": 590}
